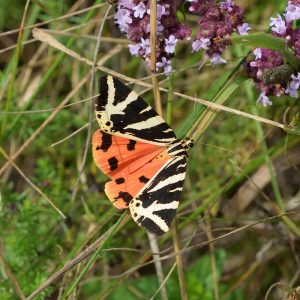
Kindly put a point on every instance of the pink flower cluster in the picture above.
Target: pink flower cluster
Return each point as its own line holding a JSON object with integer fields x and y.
{"x": 266, "y": 59}
{"x": 217, "y": 22}
{"x": 133, "y": 18}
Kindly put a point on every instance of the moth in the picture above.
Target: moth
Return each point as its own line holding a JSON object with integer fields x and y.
{"x": 140, "y": 153}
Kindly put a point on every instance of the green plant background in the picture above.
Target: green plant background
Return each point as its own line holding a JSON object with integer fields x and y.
{"x": 35, "y": 241}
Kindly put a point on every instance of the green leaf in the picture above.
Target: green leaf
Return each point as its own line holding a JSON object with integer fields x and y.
{"x": 265, "y": 40}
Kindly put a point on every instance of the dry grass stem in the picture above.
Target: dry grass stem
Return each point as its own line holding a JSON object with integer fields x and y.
{"x": 179, "y": 261}
{"x": 212, "y": 257}
{"x": 42, "y": 36}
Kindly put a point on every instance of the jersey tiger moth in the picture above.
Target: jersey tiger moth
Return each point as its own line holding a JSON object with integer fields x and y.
{"x": 138, "y": 150}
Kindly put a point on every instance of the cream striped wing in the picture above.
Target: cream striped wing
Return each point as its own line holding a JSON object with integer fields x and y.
{"x": 154, "y": 207}
{"x": 120, "y": 111}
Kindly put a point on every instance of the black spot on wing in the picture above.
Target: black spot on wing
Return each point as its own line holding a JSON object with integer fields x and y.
{"x": 103, "y": 91}
{"x": 131, "y": 145}
{"x": 150, "y": 225}
{"x": 125, "y": 196}
{"x": 106, "y": 142}
{"x": 120, "y": 180}
{"x": 143, "y": 179}
{"x": 113, "y": 163}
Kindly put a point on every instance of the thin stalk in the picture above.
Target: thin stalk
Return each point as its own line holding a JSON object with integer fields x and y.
{"x": 158, "y": 264}
{"x": 175, "y": 232}
{"x": 152, "y": 239}
{"x": 179, "y": 261}
{"x": 212, "y": 258}
{"x": 153, "y": 37}
{"x": 170, "y": 99}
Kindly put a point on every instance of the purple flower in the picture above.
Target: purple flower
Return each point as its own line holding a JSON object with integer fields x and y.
{"x": 166, "y": 64}
{"x": 145, "y": 45}
{"x": 170, "y": 44}
{"x": 134, "y": 49}
{"x": 217, "y": 23}
{"x": 139, "y": 10}
{"x": 258, "y": 54}
{"x": 161, "y": 11}
{"x": 126, "y": 3}
{"x": 278, "y": 25}
{"x": 268, "y": 64}
{"x": 123, "y": 19}
{"x": 264, "y": 100}
{"x": 216, "y": 59}
{"x": 203, "y": 43}
{"x": 292, "y": 12}
{"x": 292, "y": 92}
{"x": 133, "y": 18}
{"x": 159, "y": 27}
{"x": 295, "y": 83}
{"x": 228, "y": 5}
{"x": 242, "y": 29}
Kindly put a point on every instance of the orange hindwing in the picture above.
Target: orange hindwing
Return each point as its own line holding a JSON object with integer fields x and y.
{"x": 130, "y": 164}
